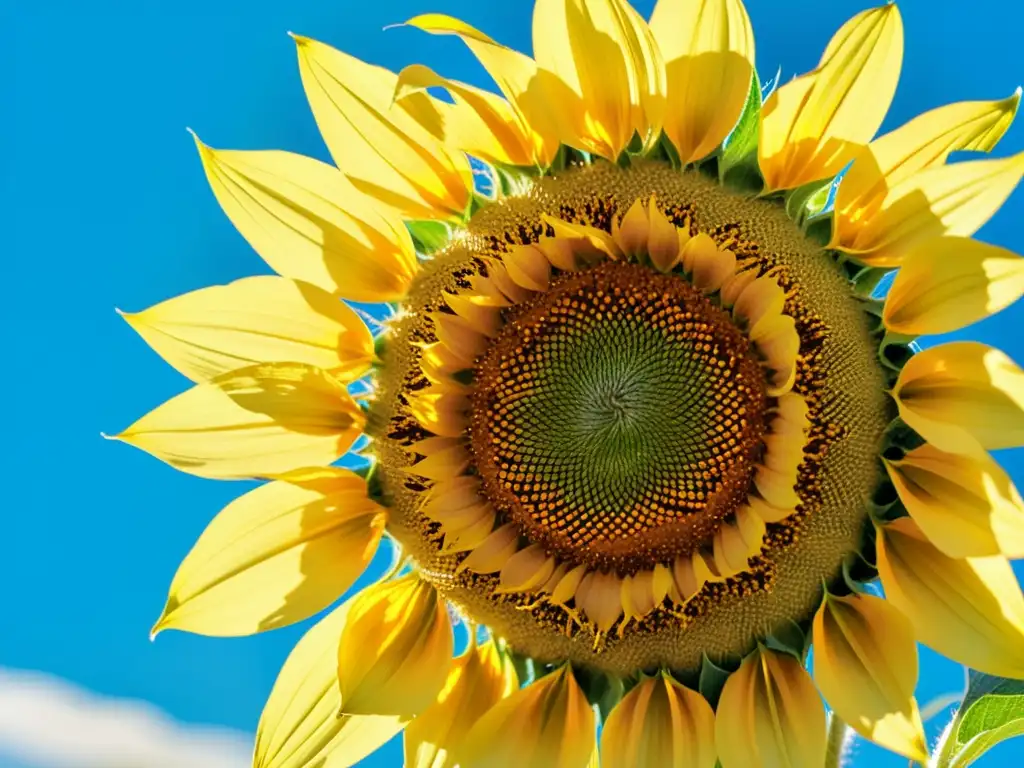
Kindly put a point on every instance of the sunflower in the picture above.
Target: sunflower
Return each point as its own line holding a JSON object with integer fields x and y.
{"x": 634, "y": 418}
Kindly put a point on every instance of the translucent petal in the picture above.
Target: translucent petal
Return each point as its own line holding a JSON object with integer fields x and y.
{"x": 950, "y": 282}
{"x": 258, "y": 421}
{"x": 814, "y": 125}
{"x": 966, "y": 505}
{"x": 256, "y": 320}
{"x": 971, "y": 610}
{"x": 392, "y": 154}
{"x": 396, "y": 649}
{"x": 274, "y": 556}
{"x": 552, "y": 725}
{"x": 308, "y": 222}
{"x": 300, "y": 726}
{"x": 865, "y": 663}
{"x": 770, "y": 713}
{"x": 708, "y": 48}
{"x": 963, "y": 397}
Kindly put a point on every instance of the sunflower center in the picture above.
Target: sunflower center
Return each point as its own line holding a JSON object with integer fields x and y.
{"x": 617, "y": 418}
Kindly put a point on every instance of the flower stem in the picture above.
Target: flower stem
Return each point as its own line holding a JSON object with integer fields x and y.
{"x": 836, "y": 741}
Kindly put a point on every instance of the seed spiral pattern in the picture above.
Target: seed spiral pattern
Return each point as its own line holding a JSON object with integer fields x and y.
{"x": 618, "y": 417}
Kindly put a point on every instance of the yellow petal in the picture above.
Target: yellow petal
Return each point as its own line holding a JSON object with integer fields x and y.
{"x": 865, "y": 664}
{"x": 390, "y": 152}
{"x": 527, "y": 570}
{"x": 515, "y": 74}
{"x": 963, "y": 397}
{"x": 492, "y": 554}
{"x": 816, "y": 124}
{"x": 441, "y": 413}
{"x": 770, "y": 713}
{"x": 528, "y": 267}
{"x": 950, "y": 282}
{"x": 479, "y": 122}
{"x": 736, "y": 542}
{"x": 966, "y": 505}
{"x": 608, "y": 75}
{"x": 950, "y": 199}
{"x": 590, "y": 237}
{"x": 925, "y": 142}
{"x": 548, "y": 723}
{"x": 659, "y": 724}
{"x": 300, "y": 726}
{"x": 600, "y": 596}
{"x": 479, "y": 679}
{"x": 275, "y": 556}
{"x": 664, "y": 240}
{"x": 970, "y": 610}
{"x": 630, "y": 231}
{"x": 256, "y": 320}
{"x": 396, "y": 649}
{"x": 257, "y": 421}
{"x": 309, "y": 223}
{"x": 708, "y": 48}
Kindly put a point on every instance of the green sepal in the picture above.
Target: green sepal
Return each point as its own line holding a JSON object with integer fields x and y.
{"x": 800, "y": 202}
{"x": 867, "y": 279}
{"x": 819, "y": 228}
{"x": 739, "y": 151}
{"x": 789, "y": 637}
{"x": 992, "y": 712}
{"x": 374, "y": 484}
{"x": 429, "y": 236}
{"x": 895, "y": 349}
{"x": 665, "y": 151}
{"x": 602, "y": 691}
{"x": 514, "y": 180}
{"x": 567, "y": 157}
{"x": 712, "y": 679}
{"x": 900, "y": 437}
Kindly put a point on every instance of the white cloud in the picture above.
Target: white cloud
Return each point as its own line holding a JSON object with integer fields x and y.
{"x": 46, "y": 722}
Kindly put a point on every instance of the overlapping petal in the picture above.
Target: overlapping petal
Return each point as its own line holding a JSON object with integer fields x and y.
{"x": 256, "y": 320}
{"x": 479, "y": 679}
{"x": 515, "y": 74}
{"x": 708, "y": 49}
{"x": 609, "y": 78}
{"x": 551, "y": 721}
{"x": 924, "y": 142}
{"x": 813, "y": 126}
{"x": 945, "y": 200}
{"x": 865, "y": 664}
{"x": 478, "y": 122}
{"x": 308, "y": 222}
{"x": 300, "y": 726}
{"x": 950, "y": 282}
{"x": 396, "y": 649}
{"x": 963, "y": 397}
{"x": 770, "y": 713}
{"x": 970, "y": 610}
{"x": 391, "y": 152}
{"x": 276, "y": 555}
{"x": 258, "y": 421}
{"x": 659, "y": 723}
{"x": 966, "y": 505}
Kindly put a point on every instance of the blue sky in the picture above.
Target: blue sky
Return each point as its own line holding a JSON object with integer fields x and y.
{"x": 105, "y": 205}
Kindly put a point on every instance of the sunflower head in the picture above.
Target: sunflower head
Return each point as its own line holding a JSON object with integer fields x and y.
{"x": 630, "y": 411}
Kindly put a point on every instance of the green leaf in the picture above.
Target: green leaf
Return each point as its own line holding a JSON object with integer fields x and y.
{"x": 992, "y": 712}
{"x": 741, "y": 145}
{"x": 429, "y": 236}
